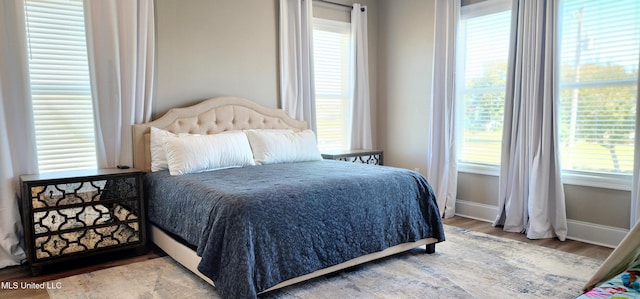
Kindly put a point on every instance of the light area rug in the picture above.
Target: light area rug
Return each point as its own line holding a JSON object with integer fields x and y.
{"x": 467, "y": 265}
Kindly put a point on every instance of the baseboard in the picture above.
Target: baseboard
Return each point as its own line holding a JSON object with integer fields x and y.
{"x": 477, "y": 211}
{"x": 591, "y": 233}
{"x": 607, "y": 236}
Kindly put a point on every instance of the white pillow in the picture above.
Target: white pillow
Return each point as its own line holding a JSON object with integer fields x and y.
{"x": 158, "y": 156}
{"x": 282, "y": 147}
{"x": 198, "y": 153}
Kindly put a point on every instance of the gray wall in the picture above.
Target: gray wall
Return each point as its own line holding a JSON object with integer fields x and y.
{"x": 210, "y": 48}
{"x": 405, "y": 59}
{"x": 587, "y": 204}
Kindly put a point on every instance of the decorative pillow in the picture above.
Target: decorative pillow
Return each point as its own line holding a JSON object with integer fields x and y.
{"x": 158, "y": 156}
{"x": 191, "y": 154}
{"x": 283, "y": 147}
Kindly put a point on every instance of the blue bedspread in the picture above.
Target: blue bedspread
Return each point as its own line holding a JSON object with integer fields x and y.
{"x": 260, "y": 225}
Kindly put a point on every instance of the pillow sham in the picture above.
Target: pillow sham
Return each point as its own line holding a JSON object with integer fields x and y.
{"x": 283, "y": 147}
{"x": 158, "y": 157}
{"x": 199, "y": 153}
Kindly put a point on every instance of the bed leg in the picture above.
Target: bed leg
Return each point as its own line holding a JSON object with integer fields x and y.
{"x": 430, "y": 248}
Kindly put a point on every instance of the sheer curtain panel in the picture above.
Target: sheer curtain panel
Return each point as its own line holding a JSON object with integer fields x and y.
{"x": 361, "y": 112}
{"x": 121, "y": 44}
{"x": 441, "y": 155}
{"x": 17, "y": 151}
{"x": 531, "y": 191}
{"x": 296, "y": 60}
{"x": 635, "y": 188}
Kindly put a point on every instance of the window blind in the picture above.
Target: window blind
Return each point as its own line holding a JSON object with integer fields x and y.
{"x": 598, "y": 85}
{"x": 60, "y": 86}
{"x": 483, "y": 45}
{"x": 331, "y": 42}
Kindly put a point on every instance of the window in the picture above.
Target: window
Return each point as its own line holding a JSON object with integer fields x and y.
{"x": 598, "y": 89}
{"x": 483, "y": 45}
{"x": 60, "y": 86}
{"x": 331, "y": 46}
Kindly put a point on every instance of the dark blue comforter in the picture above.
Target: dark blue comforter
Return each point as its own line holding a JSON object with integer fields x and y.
{"x": 257, "y": 226}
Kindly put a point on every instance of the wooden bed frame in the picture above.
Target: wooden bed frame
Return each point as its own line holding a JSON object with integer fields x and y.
{"x": 217, "y": 115}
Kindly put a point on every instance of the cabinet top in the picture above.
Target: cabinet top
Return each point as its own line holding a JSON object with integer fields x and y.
{"x": 350, "y": 153}
{"x": 77, "y": 174}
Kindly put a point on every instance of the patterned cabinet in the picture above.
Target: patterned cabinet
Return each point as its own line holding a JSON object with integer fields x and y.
{"x": 356, "y": 155}
{"x": 78, "y": 213}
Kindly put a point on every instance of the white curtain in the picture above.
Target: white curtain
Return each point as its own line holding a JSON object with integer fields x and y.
{"x": 442, "y": 172}
{"x": 17, "y": 138}
{"x": 361, "y": 108}
{"x": 296, "y": 60}
{"x": 531, "y": 192}
{"x": 635, "y": 191}
{"x": 121, "y": 44}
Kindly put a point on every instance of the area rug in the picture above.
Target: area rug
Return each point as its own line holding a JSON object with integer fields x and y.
{"x": 467, "y": 265}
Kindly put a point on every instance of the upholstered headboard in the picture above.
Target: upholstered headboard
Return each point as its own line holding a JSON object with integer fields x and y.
{"x": 210, "y": 116}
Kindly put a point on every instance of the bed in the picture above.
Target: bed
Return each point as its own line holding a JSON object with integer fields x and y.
{"x": 283, "y": 217}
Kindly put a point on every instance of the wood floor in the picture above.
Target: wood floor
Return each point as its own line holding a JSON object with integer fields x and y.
{"x": 21, "y": 274}
{"x": 571, "y": 246}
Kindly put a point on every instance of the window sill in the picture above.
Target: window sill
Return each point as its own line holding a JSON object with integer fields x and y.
{"x": 576, "y": 178}
{"x": 477, "y": 168}
{"x": 597, "y": 180}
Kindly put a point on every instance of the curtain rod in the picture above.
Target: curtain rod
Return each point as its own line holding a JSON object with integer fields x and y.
{"x": 338, "y": 4}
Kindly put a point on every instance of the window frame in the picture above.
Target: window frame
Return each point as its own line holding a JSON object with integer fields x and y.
{"x": 473, "y": 10}
{"x": 59, "y": 85}
{"x": 339, "y": 27}
{"x": 606, "y": 180}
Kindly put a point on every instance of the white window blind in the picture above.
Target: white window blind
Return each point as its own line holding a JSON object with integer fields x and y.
{"x": 331, "y": 42}
{"x": 482, "y": 55}
{"x": 598, "y": 86}
{"x": 60, "y": 87}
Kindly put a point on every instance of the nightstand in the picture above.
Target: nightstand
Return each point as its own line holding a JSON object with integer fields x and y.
{"x": 68, "y": 215}
{"x": 356, "y": 155}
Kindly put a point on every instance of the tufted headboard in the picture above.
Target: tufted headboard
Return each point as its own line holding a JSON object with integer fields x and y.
{"x": 210, "y": 116}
